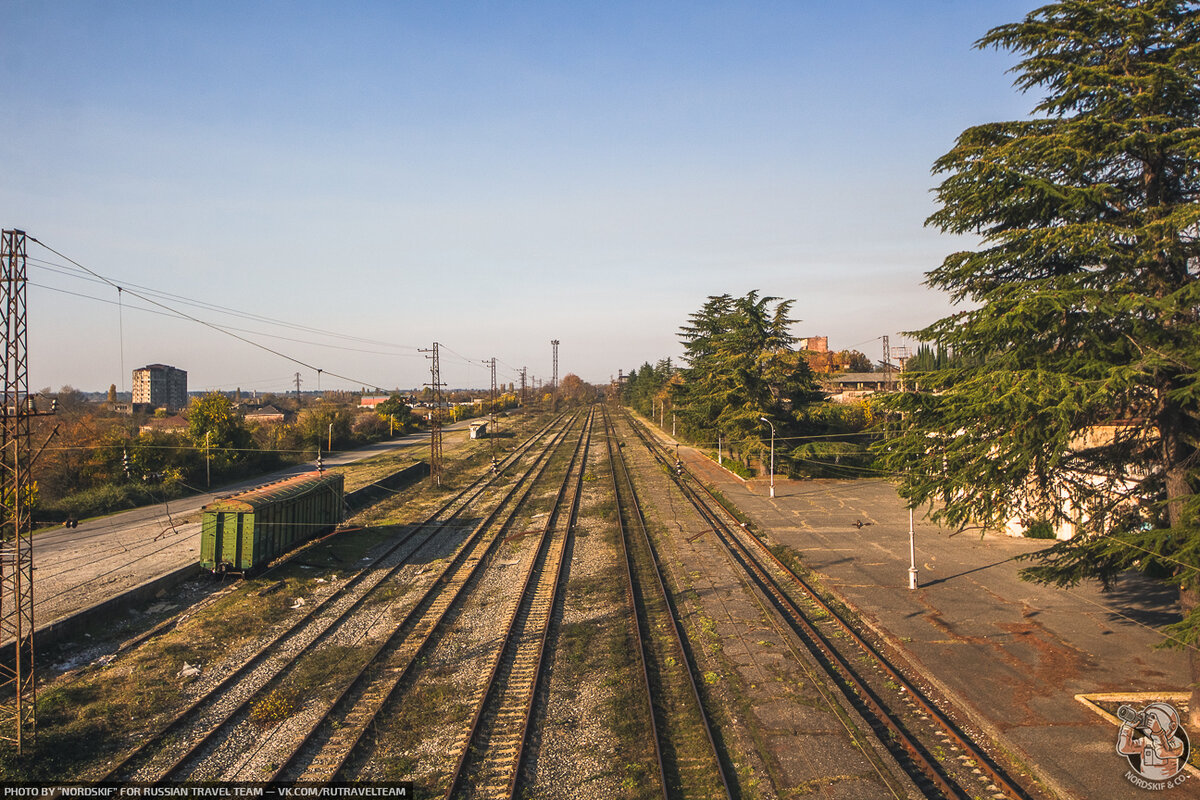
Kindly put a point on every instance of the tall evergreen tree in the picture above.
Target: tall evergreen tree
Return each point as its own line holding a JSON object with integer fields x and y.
{"x": 741, "y": 366}
{"x": 1082, "y": 404}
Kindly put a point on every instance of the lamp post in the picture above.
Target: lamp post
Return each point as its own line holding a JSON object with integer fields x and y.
{"x": 764, "y": 419}
{"x": 912, "y": 553}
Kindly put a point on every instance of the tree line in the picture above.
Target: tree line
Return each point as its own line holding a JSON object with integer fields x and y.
{"x": 96, "y": 460}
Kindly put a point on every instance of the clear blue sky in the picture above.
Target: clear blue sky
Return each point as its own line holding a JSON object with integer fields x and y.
{"x": 487, "y": 175}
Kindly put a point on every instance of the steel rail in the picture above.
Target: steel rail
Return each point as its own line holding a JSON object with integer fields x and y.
{"x": 912, "y": 692}
{"x": 627, "y": 498}
{"x": 376, "y": 683}
{"x": 747, "y": 549}
{"x": 510, "y": 710}
{"x": 280, "y": 672}
{"x": 297, "y": 627}
{"x": 640, "y": 646}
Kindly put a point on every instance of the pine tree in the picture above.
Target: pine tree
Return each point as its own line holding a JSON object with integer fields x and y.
{"x": 1076, "y": 401}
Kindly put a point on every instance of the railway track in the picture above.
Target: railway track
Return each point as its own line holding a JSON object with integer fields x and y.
{"x": 172, "y": 752}
{"x": 940, "y": 758}
{"x": 334, "y": 737}
{"x": 491, "y": 752}
{"x": 691, "y": 763}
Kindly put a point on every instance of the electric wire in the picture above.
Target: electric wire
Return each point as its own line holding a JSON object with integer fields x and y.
{"x": 174, "y": 315}
{"x": 78, "y": 271}
{"x": 50, "y": 266}
{"x": 205, "y": 323}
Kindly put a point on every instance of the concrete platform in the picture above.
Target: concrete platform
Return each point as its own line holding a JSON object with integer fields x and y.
{"x": 1014, "y": 654}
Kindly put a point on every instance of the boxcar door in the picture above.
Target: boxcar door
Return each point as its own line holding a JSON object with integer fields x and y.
{"x": 213, "y": 525}
{"x": 229, "y": 536}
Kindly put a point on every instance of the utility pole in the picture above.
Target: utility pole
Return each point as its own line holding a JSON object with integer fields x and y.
{"x": 17, "y": 685}
{"x": 492, "y": 412}
{"x": 523, "y": 370}
{"x": 435, "y": 417}
{"x": 554, "y": 381}
{"x": 887, "y": 364}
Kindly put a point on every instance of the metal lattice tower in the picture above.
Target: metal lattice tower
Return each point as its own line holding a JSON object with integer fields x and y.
{"x": 554, "y": 380}
{"x": 523, "y": 371}
{"x": 435, "y": 418}
{"x": 17, "y": 689}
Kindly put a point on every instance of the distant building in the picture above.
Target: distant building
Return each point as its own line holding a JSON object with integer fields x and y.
{"x": 266, "y": 415}
{"x": 856, "y": 385}
{"x": 171, "y": 424}
{"x": 160, "y": 386}
{"x": 815, "y": 344}
{"x": 373, "y": 400}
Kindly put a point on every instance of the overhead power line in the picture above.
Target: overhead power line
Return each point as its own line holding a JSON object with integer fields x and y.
{"x": 220, "y": 309}
{"x": 205, "y": 323}
{"x": 172, "y": 315}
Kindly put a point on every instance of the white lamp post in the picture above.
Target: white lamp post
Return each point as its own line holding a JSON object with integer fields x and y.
{"x": 764, "y": 419}
{"x": 912, "y": 553}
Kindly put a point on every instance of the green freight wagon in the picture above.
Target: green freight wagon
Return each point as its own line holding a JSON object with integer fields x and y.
{"x": 245, "y": 531}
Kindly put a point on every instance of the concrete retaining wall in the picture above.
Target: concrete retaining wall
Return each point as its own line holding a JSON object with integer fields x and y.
{"x": 363, "y": 497}
{"x": 66, "y": 628}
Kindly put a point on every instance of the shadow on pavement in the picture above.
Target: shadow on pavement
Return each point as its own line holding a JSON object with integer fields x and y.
{"x": 1133, "y": 596}
{"x": 948, "y": 578}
